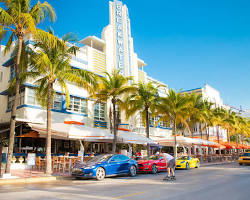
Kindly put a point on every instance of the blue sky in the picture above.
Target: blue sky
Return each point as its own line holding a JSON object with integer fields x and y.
{"x": 184, "y": 43}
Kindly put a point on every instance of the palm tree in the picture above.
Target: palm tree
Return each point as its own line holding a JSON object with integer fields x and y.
{"x": 3, "y": 142}
{"x": 50, "y": 65}
{"x": 195, "y": 112}
{"x": 20, "y": 19}
{"x": 144, "y": 99}
{"x": 208, "y": 118}
{"x": 218, "y": 122}
{"x": 113, "y": 88}
{"x": 2, "y": 35}
{"x": 174, "y": 108}
{"x": 228, "y": 122}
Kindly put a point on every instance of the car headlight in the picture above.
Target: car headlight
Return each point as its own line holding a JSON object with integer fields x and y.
{"x": 183, "y": 161}
{"x": 90, "y": 167}
{"x": 147, "y": 164}
{"x": 74, "y": 170}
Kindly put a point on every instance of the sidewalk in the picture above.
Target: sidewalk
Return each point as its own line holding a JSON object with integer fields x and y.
{"x": 216, "y": 163}
{"x": 27, "y": 176}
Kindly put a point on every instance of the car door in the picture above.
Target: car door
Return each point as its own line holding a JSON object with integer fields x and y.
{"x": 113, "y": 165}
{"x": 191, "y": 162}
{"x": 124, "y": 164}
{"x": 162, "y": 163}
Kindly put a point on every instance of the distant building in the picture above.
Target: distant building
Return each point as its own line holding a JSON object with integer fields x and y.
{"x": 212, "y": 95}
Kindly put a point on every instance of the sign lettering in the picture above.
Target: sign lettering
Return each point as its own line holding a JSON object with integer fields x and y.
{"x": 119, "y": 36}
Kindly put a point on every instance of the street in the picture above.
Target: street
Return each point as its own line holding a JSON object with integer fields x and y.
{"x": 226, "y": 181}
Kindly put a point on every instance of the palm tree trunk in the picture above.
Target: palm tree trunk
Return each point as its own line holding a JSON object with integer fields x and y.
{"x": 175, "y": 139}
{"x": 48, "y": 139}
{"x": 14, "y": 107}
{"x": 228, "y": 136}
{"x": 228, "y": 140}
{"x": 0, "y": 160}
{"x": 218, "y": 138}
{"x": 200, "y": 130}
{"x": 147, "y": 130}
{"x": 237, "y": 142}
{"x": 208, "y": 133}
{"x": 114, "y": 126}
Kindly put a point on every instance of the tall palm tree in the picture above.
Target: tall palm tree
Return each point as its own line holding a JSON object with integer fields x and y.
{"x": 2, "y": 36}
{"x": 227, "y": 122}
{"x": 195, "y": 107}
{"x": 195, "y": 112}
{"x": 218, "y": 122}
{"x": 20, "y": 19}
{"x": 208, "y": 117}
{"x": 144, "y": 99}
{"x": 50, "y": 65}
{"x": 174, "y": 107}
{"x": 114, "y": 87}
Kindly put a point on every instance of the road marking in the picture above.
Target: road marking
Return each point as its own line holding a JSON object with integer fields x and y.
{"x": 128, "y": 195}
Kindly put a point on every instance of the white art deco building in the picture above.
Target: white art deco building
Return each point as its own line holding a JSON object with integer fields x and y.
{"x": 212, "y": 95}
{"x": 115, "y": 49}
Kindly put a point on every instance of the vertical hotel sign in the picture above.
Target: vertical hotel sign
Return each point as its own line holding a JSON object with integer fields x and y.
{"x": 119, "y": 36}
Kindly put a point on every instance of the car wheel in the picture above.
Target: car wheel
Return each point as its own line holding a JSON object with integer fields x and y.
{"x": 240, "y": 163}
{"x": 100, "y": 173}
{"x": 154, "y": 169}
{"x": 132, "y": 171}
{"x": 197, "y": 164}
{"x": 187, "y": 166}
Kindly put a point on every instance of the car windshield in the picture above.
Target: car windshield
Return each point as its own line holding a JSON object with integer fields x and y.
{"x": 246, "y": 154}
{"x": 153, "y": 157}
{"x": 183, "y": 158}
{"x": 100, "y": 158}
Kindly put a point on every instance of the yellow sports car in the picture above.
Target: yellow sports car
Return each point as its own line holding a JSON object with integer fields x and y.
{"x": 187, "y": 162}
{"x": 244, "y": 159}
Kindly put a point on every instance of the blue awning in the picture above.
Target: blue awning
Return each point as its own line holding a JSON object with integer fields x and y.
{"x": 8, "y": 62}
{"x": 5, "y": 92}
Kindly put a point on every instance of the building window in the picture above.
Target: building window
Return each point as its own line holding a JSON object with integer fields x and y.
{"x": 11, "y": 99}
{"x": 153, "y": 121}
{"x": 12, "y": 72}
{"x": 78, "y": 105}
{"x": 32, "y": 99}
{"x": 99, "y": 112}
{"x": 163, "y": 124}
{"x": 57, "y": 105}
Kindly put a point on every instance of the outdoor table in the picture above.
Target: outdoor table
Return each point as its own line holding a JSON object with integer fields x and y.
{"x": 70, "y": 162}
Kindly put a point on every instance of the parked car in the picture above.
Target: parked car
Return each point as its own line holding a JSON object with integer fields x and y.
{"x": 105, "y": 165}
{"x": 244, "y": 159}
{"x": 153, "y": 164}
{"x": 187, "y": 162}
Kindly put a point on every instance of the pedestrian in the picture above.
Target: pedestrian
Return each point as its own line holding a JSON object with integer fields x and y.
{"x": 170, "y": 162}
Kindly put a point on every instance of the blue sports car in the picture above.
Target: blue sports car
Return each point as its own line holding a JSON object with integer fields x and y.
{"x": 102, "y": 166}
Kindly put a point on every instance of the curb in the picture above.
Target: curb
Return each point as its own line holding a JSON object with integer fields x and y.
{"x": 218, "y": 163}
{"x": 64, "y": 178}
{"x": 27, "y": 180}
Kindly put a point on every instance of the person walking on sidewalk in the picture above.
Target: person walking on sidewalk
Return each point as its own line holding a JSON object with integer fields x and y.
{"x": 170, "y": 162}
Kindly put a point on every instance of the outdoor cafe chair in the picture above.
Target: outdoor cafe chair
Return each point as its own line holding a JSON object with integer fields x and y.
{"x": 40, "y": 163}
{"x": 55, "y": 163}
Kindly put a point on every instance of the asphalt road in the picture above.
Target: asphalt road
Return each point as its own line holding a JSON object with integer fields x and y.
{"x": 228, "y": 181}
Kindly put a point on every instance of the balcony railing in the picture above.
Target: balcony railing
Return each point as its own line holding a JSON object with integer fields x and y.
{"x": 100, "y": 124}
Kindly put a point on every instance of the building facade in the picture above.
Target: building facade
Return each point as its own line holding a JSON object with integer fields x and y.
{"x": 211, "y": 95}
{"x": 114, "y": 50}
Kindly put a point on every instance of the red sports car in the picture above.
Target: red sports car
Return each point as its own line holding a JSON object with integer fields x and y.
{"x": 154, "y": 164}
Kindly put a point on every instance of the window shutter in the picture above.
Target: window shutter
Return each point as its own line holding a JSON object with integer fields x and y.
{"x": 1, "y": 76}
